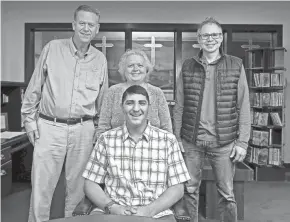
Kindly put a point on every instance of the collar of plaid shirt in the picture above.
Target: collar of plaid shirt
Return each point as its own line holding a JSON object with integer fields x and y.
{"x": 145, "y": 134}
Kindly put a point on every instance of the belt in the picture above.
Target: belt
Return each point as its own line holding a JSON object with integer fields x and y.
{"x": 69, "y": 121}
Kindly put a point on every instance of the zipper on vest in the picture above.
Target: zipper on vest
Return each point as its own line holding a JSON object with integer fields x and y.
{"x": 199, "y": 106}
{"x": 216, "y": 76}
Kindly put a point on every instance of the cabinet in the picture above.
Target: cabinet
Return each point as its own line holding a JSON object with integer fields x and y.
{"x": 14, "y": 168}
{"x": 6, "y": 171}
{"x": 266, "y": 77}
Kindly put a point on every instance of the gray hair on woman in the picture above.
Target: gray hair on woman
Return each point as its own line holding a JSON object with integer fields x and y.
{"x": 129, "y": 52}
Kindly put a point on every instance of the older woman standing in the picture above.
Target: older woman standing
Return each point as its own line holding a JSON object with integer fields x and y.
{"x": 135, "y": 68}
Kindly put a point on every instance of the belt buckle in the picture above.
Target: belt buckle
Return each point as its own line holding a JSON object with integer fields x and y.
{"x": 71, "y": 121}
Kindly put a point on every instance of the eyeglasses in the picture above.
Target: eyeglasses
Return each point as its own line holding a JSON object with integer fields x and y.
{"x": 207, "y": 35}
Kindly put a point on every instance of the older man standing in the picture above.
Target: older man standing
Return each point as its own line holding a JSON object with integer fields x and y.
{"x": 212, "y": 119}
{"x": 60, "y": 105}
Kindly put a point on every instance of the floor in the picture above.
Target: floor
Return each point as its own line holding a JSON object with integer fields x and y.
{"x": 264, "y": 202}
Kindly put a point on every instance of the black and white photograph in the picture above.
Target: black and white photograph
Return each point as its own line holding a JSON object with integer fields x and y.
{"x": 145, "y": 111}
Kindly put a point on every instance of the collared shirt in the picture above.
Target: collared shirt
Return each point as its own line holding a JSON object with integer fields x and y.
{"x": 136, "y": 173}
{"x": 207, "y": 119}
{"x": 64, "y": 85}
{"x": 206, "y": 130}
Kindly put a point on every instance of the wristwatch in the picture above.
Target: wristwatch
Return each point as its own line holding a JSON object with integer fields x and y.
{"x": 108, "y": 206}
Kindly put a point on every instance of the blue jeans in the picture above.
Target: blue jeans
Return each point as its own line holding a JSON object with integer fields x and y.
{"x": 223, "y": 169}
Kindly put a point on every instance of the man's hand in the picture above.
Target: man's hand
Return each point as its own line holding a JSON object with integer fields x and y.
{"x": 144, "y": 211}
{"x": 32, "y": 136}
{"x": 238, "y": 153}
{"x": 120, "y": 210}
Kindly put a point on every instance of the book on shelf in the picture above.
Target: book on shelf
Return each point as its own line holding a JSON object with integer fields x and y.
{"x": 260, "y": 138}
{"x": 255, "y": 118}
{"x": 262, "y": 156}
{"x": 276, "y": 99}
{"x": 275, "y": 156}
{"x": 281, "y": 79}
{"x": 262, "y": 79}
{"x": 265, "y": 79}
{"x": 270, "y": 137}
{"x": 256, "y": 100}
{"x": 260, "y": 118}
{"x": 256, "y": 137}
{"x": 265, "y": 99}
{"x": 255, "y": 156}
{"x": 258, "y": 156}
{"x": 277, "y": 79}
{"x": 264, "y": 138}
{"x": 276, "y": 119}
{"x": 252, "y": 115}
{"x": 257, "y": 79}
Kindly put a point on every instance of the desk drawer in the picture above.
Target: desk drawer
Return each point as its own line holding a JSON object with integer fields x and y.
{"x": 6, "y": 178}
{"x": 5, "y": 155}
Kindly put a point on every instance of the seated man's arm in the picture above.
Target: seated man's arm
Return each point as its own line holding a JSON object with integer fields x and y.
{"x": 94, "y": 174}
{"x": 95, "y": 193}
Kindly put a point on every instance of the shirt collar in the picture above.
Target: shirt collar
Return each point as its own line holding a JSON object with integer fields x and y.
{"x": 126, "y": 134}
{"x": 74, "y": 49}
{"x": 203, "y": 60}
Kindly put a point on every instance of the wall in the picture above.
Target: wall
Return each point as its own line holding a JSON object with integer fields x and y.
{"x": 15, "y": 14}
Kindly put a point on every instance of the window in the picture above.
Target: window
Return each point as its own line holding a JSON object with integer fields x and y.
{"x": 167, "y": 45}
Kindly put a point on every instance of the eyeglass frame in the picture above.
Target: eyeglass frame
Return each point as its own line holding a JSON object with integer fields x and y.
{"x": 218, "y": 35}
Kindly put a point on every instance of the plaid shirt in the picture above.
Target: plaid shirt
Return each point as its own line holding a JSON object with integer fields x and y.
{"x": 136, "y": 174}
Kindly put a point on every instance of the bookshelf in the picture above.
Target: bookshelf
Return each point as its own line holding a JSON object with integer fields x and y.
{"x": 266, "y": 77}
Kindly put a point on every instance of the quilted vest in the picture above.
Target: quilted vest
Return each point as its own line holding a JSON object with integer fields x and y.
{"x": 227, "y": 75}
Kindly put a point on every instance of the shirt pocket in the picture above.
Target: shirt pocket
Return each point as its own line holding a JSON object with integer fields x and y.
{"x": 92, "y": 80}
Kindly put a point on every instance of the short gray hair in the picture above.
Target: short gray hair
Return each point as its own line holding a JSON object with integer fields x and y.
{"x": 129, "y": 52}
{"x": 87, "y": 8}
{"x": 208, "y": 20}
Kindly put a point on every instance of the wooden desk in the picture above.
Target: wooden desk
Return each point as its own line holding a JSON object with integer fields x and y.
{"x": 208, "y": 190}
{"x": 106, "y": 218}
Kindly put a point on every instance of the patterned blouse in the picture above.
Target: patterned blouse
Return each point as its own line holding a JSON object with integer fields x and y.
{"x": 112, "y": 116}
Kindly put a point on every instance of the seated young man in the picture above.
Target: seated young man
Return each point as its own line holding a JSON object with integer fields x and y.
{"x": 141, "y": 165}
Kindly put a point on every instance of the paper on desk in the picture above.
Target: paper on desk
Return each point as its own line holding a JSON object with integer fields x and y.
{"x": 9, "y": 135}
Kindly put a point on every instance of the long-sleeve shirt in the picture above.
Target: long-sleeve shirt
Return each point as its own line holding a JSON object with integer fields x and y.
{"x": 207, "y": 117}
{"x": 112, "y": 115}
{"x": 63, "y": 85}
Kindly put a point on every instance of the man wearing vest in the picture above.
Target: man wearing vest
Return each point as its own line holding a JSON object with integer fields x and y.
{"x": 212, "y": 119}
